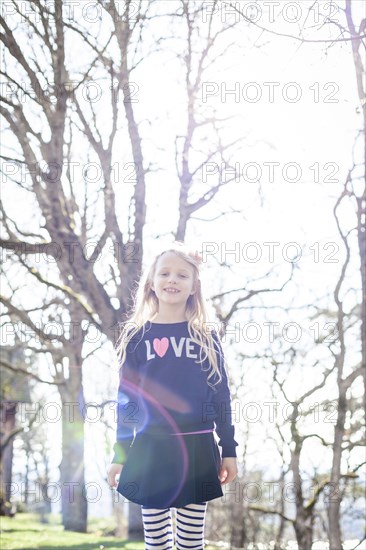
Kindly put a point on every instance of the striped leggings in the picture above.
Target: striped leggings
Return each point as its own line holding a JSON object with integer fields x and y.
{"x": 158, "y": 529}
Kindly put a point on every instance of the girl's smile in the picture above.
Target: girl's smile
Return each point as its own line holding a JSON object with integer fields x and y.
{"x": 173, "y": 277}
{"x": 173, "y": 290}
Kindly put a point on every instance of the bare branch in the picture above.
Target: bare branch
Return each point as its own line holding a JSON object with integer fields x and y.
{"x": 23, "y": 372}
{"x": 294, "y": 37}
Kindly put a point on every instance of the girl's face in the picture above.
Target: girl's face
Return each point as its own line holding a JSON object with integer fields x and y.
{"x": 173, "y": 281}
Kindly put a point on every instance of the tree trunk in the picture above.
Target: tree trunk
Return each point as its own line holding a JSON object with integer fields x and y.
{"x": 281, "y": 528}
{"x": 73, "y": 495}
{"x": 335, "y": 535}
{"x": 7, "y": 413}
{"x": 304, "y": 532}
{"x": 303, "y": 523}
{"x": 237, "y": 530}
{"x": 134, "y": 522}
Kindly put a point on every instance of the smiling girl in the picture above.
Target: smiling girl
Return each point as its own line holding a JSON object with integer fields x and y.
{"x": 173, "y": 395}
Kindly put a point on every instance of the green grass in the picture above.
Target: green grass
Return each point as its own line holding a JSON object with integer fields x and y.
{"x": 25, "y": 532}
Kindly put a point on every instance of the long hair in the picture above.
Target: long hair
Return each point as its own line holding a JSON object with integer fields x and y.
{"x": 146, "y": 306}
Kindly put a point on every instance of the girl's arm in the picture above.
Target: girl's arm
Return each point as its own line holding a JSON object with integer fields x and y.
{"x": 228, "y": 470}
{"x": 222, "y": 406}
{"x": 113, "y": 471}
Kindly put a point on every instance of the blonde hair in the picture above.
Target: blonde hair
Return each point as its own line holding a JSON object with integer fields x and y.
{"x": 146, "y": 305}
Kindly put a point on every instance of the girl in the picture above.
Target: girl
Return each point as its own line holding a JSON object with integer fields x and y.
{"x": 173, "y": 393}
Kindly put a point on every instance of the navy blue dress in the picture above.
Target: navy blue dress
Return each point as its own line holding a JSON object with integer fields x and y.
{"x": 163, "y": 392}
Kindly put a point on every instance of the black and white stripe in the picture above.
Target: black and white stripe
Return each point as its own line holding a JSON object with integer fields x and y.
{"x": 190, "y": 526}
{"x": 157, "y": 528}
{"x": 190, "y": 522}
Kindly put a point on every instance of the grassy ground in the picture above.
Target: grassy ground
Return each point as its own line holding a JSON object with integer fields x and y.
{"x": 25, "y": 532}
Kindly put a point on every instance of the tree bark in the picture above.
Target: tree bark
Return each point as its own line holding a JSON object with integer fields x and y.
{"x": 237, "y": 516}
{"x": 303, "y": 523}
{"x": 7, "y": 425}
{"x": 72, "y": 481}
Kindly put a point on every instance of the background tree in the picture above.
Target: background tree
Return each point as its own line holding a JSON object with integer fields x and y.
{"x": 346, "y": 411}
{"x": 14, "y": 392}
{"x": 49, "y": 121}
{"x": 40, "y": 114}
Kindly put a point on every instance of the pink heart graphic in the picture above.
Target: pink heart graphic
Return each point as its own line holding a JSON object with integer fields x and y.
{"x": 161, "y": 346}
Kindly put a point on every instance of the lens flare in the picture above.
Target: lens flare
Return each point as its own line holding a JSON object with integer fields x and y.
{"x": 146, "y": 401}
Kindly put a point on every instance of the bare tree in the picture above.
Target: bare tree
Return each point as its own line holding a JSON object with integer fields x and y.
{"x": 41, "y": 85}
{"x": 344, "y": 381}
{"x": 202, "y": 50}
{"x": 43, "y": 105}
{"x": 305, "y": 510}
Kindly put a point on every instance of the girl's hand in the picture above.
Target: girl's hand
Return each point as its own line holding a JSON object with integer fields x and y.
{"x": 228, "y": 470}
{"x": 113, "y": 471}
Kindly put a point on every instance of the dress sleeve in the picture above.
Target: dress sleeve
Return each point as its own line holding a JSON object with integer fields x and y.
{"x": 128, "y": 404}
{"x": 222, "y": 406}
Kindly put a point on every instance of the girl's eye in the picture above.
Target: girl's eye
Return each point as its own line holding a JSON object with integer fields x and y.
{"x": 184, "y": 276}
